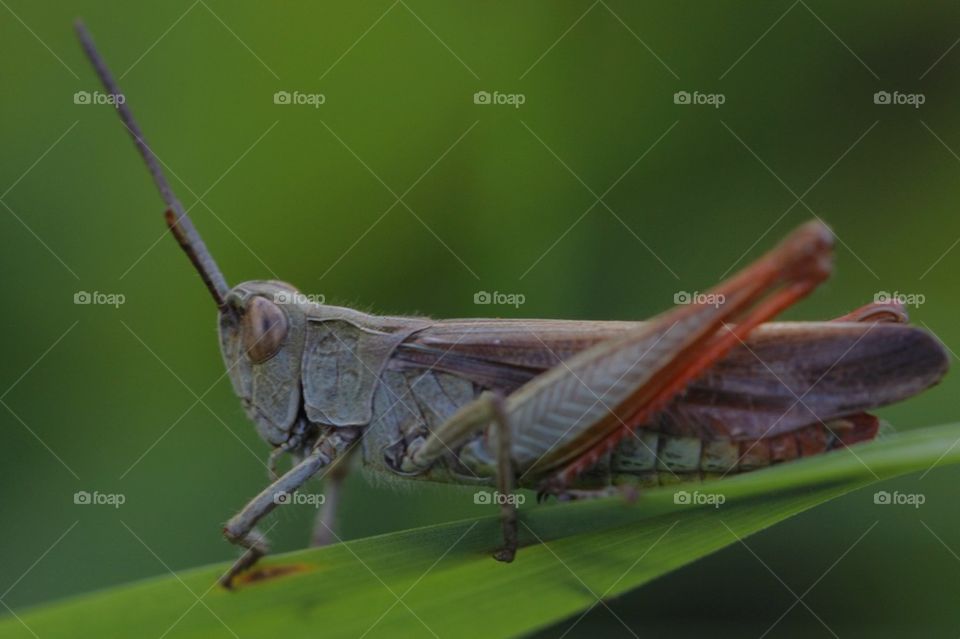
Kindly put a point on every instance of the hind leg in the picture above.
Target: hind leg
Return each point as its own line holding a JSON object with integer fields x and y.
{"x": 562, "y": 421}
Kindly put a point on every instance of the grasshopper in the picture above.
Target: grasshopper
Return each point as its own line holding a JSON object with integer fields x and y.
{"x": 568, "y": 408}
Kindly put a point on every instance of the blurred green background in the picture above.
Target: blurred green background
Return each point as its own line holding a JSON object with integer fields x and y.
{"x": 495, "y": 198}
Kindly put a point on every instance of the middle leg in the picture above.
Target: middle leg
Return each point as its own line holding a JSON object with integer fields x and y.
{"x": 487, "y": 409}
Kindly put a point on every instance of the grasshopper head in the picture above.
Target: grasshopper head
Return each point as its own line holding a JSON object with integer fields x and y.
{"x": 261, "y": 339}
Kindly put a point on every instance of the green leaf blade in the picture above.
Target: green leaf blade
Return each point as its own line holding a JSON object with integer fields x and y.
{"x": 441, "y": 581}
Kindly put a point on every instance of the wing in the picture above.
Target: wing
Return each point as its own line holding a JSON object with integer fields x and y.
{"x": 787, "y": 374}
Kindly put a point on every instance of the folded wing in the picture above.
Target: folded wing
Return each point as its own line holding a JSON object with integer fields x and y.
{"x": 787, "y": 374}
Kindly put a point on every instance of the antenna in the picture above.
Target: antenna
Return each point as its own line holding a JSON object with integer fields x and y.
{"x": 176, "y": 217}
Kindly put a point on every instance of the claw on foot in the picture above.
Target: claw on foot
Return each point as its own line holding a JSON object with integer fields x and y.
{"x": 505, "y": 555}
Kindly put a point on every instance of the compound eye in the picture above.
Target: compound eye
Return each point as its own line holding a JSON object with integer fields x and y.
{"x": 264, "y": 329}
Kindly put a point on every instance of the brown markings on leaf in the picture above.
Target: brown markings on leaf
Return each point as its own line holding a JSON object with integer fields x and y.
{"x": 267, "y": 573}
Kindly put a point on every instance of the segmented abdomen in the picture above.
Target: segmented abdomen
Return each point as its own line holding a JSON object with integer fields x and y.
{"x": 650, "y": 458}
